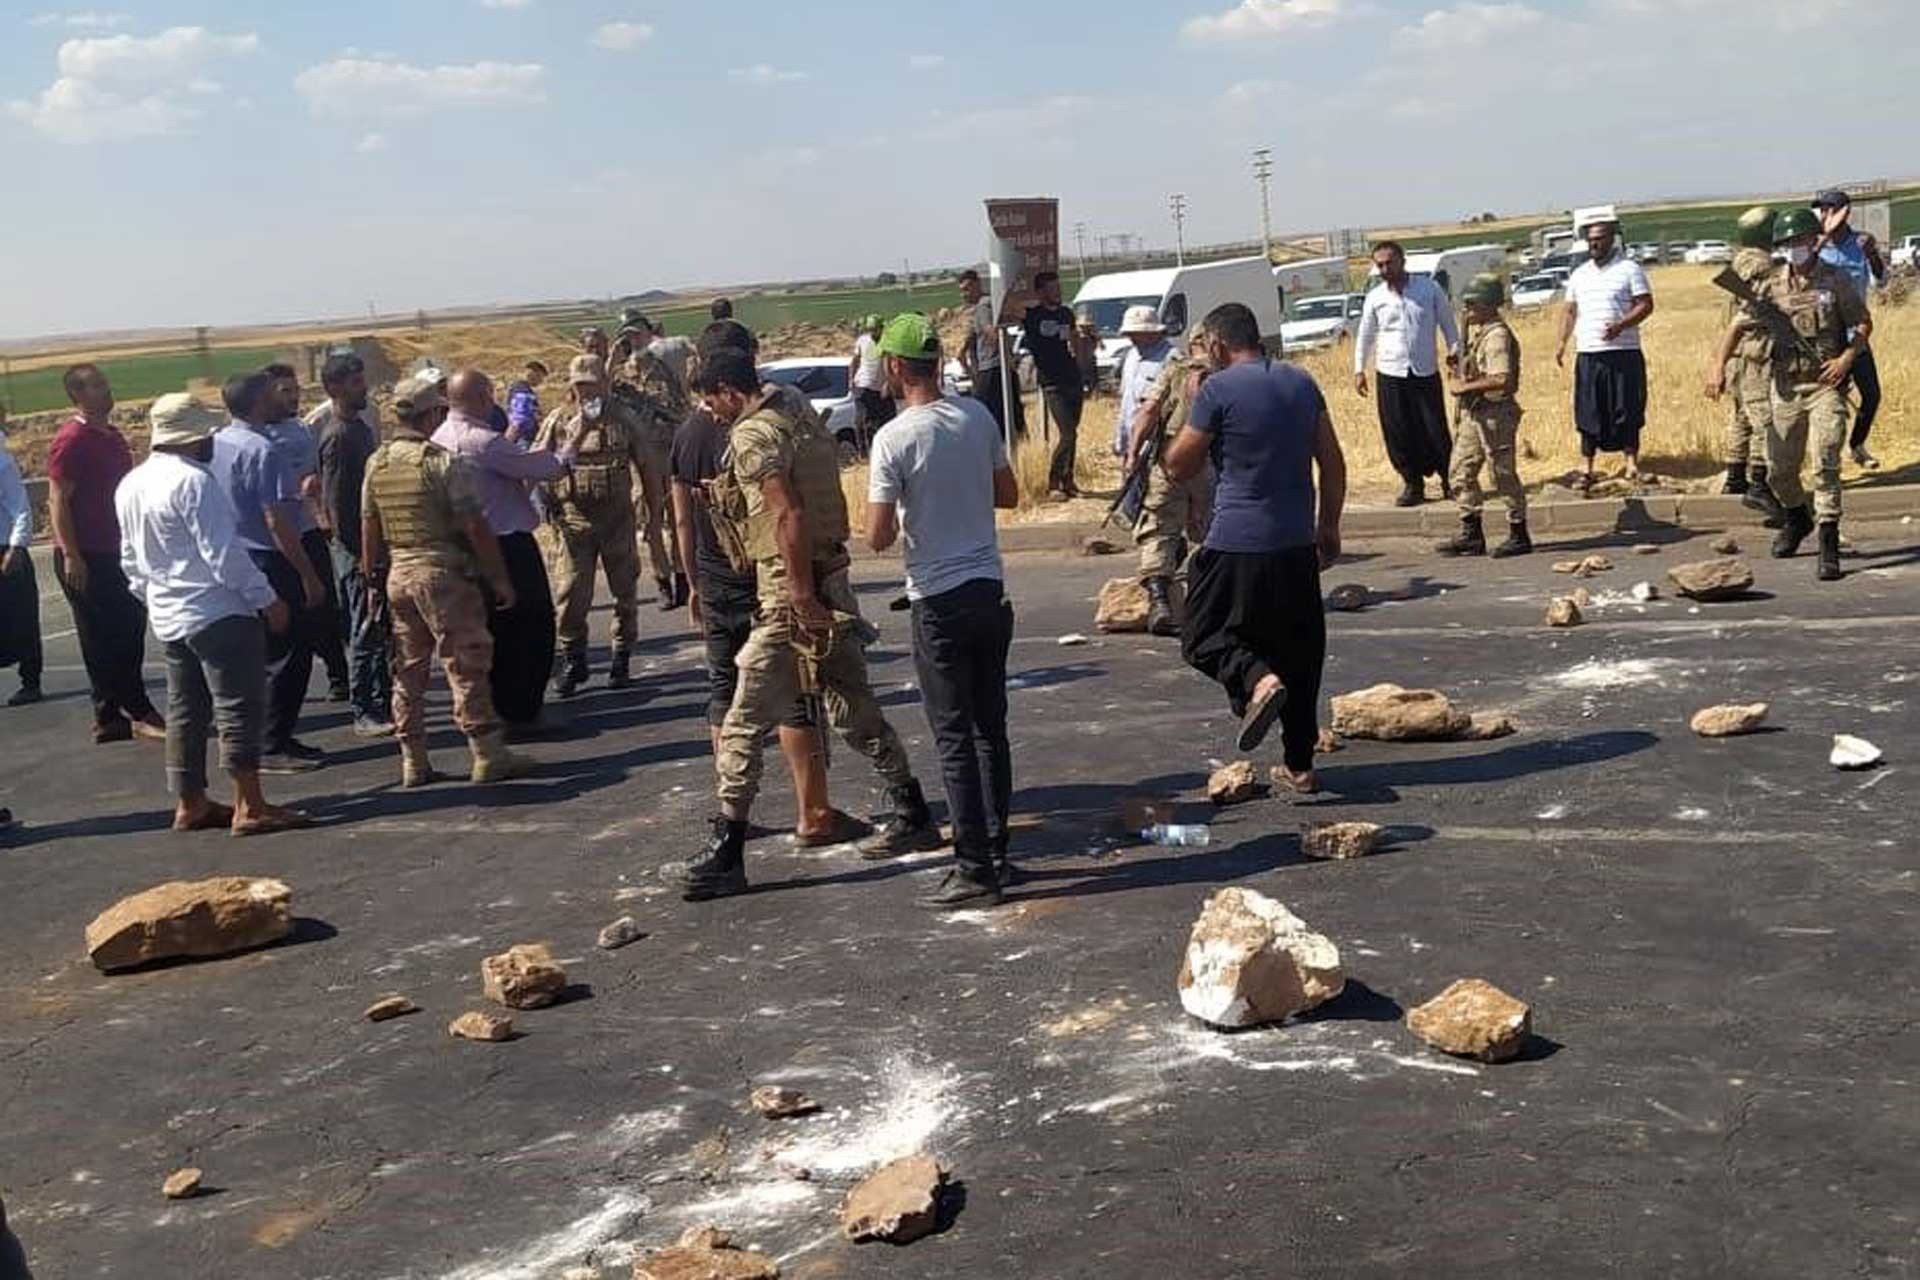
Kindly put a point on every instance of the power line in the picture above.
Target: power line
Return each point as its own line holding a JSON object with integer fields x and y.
{"x": 1177, "y": 202}
{"x": 1263, "y": 174}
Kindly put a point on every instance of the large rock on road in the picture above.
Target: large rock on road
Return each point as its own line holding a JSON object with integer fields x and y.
{"x": 1250, "y": 960}
{"x": 190, "y": 919}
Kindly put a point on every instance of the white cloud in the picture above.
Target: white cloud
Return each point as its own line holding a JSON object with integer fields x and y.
{"x": 359, "y": 88}
{"x": 1469, "y": 26}
{"x": 926, "y": 61}
{"x": 370, "y": 143}
{"x": 622, "y": 35}
{"x": 760, "y": 73}
{"x": 85, "y": 20}
{"x": 125, "y": 86}
{"x": 1266, "y": 18}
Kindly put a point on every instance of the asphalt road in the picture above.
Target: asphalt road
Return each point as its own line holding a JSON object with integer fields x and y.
{"x": 1718, "y": 939}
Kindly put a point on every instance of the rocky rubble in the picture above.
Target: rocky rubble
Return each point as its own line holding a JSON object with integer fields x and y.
{"x": 1389, "y": 713}
{"x": 1250, "y": 961}
{"x": 480, "y": 1025}
{"x": 1708, "y": 580}
{"x": 523, "y": 977}
{"x": 705, "y": 1253}
{"x": 1234, "y": 783}
{"x": 1473, "y": 1019}
{"x": 1563, "y": 611}
{"x": 388, "y": 1007}
{"x": 181, "y": 1184}
{"x": 1340, "y": 840}
{"x": 1123, "y": 606}
{"x": 778, "y": 1103}
{"x": 190, "y": 919}
{"x": 1728, "y": 719}
{"x": 898, "y": 1202}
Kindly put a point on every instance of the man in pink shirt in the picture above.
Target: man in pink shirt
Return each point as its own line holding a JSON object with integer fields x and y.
{"x": 88, "y": 459}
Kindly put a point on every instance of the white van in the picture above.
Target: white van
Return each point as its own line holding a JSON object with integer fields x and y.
{"x": 1451, "y": 269}
{"x": 1181, "y": 297}
{"x": 1313, "y": 278}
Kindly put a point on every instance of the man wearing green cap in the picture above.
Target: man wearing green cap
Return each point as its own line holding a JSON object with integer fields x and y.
{"x": 1488, "y": 432}
{"x": 938, "y": 473}
{"x": 869, "y": 380}
{"x": 1744, "y": 365}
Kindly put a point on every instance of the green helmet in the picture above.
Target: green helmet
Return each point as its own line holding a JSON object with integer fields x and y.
{"x": 1755, "y": 228}
{"x": 1791, "y": 224}
{"x": 911, "y": 336}
{"x": 1484, "y": 289}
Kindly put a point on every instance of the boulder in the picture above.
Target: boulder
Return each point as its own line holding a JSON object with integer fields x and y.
{"x": 1340, "y": 840}
{"x": 480, "y": 1025}
{"x": 1233, "y": 783}
{"x": 1473, "y": 1019}
{"x": 1249, "y": 961}
{"x": 1563, "y": 611}
{"x": 1123, "y": 606}
{"x": 619, "y": 934}
{"x": 705, "y": 1253}
{"x": 1728, "y": 719}
{"x": 1850, "y": 752}
{"x": 898, "y": 1202}
{"x": 523, "y": 977}
{"x": 194, "y": 919}
{"x": 390, "y": 1007}
{"x": 1725, "y": 545}
{"x": 1347, "y": 597}
{"x": 1389, "y": 713}
{"x": 1708, "y": 580}
{"x": 181, "y": 1184}
{"x": 777, "y": 1103}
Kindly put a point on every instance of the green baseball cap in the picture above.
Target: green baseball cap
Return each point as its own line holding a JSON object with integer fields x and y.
{"x": 911, "y": 336}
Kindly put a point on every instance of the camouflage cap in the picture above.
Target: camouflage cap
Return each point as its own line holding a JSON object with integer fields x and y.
{"x": 586, "y": 368}
{"x": 1485, "y": 289}
{"x": 417, "y": 395}
{"x": 911, "y": 336}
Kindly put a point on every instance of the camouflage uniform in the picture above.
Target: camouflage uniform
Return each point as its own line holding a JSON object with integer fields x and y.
{"x": 1824, "y": 310}
{"x": 780, "y": 434}
{"x": 590, "y": 518}
{"x": 1173, "y": 511}
{"x": 422, "y": 495}
{"x": 1490, "y": 423}
{"x": 1749, "y": 375}
{"x": 658, "y": 401}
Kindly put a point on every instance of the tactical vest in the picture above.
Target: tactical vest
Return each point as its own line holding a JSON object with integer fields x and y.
{"x": 602, "y": 471}
{"x": 407, "y": 481}
{"x": 1476, "y": 367}
{"x": 1756, "y": 343}
{"x": 743, "y": 525}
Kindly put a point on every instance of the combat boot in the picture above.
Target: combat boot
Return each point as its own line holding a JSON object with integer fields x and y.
{"x": 1470, "y": 541}
{"x": 1829, "y": 570}
{"x": 1736, "y": 478}
{"x": 1759, "y": 496}
{"x": 620, "y": 668}
{"x": 1793, "y": 531}
{"x": 664, "y": 589}
{"x": 492, "y": 761}
{"x": 1518, "y": 542}
{"x": 573, "y": 671}
{"x": 908, "y": 829}
{"x": 722, "y": 871}
{"x": 1160, "y": 608}
{"x": 416, "y": 768}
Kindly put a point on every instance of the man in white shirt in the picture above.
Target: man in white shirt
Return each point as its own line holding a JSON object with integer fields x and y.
{"x": 938, "y": 472}
{"x": 205, "y": 600}
{"x": 1150, "y": 351}
{"x": 1607, "y": 299}
{"x": 980, "y": 357}
{"x": 868, "y": 379}
{"x": 1399, "y": 323}
{"x": 19, "y": 586}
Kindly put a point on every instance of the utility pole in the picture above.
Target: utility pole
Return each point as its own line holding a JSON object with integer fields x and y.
{"x": 1263, "y": 174}
{"x": 1080, "y": 239}
{"x": 906, "y": 274}
{"x": 1177, "y": 202}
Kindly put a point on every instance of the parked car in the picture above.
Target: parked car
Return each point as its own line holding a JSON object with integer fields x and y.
{"x": 1324, "y": 321}
{"x": 1709, "y": 252}
{"x": 1537, "y": 291}
{"x": 823, "y": 381}
{"x": 1678, "y": 250}
{"x": 1646, "y": 255}
{"x": 1905, "y": 251}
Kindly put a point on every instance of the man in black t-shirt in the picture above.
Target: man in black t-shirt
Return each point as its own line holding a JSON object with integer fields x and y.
{"x": 722, "y": 605}
{"x": 1054, "y": 339}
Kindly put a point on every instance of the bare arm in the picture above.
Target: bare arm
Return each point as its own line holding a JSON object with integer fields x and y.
{"x": 1716, "y": 381}
{"x": 883, "y": 525}
{"x": 1642, "y": 308}
{"x": 1569, "y": 316}
{"x": 1006, "y": 489}
{"x": 686, "y": 509}
{"x": 1186, "y": 455}
{"x": 1332, "y": 462}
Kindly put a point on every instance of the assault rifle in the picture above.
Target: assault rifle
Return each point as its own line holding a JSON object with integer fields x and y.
{"x": 1779, "y": 323}
{"x": 1133, "y": 491}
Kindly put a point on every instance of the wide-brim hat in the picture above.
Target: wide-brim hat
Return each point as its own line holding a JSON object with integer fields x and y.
{"x": 1141, "y": 319}
{"x": 177, "y": 419}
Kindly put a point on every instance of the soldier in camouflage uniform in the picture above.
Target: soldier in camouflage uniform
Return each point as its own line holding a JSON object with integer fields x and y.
{"x": 1174, "y": 514}
{"x": 1487, "y": 430}
{"x": 1744, "y": 366}
{"x": 659, "y": 400}
{"x": 424, "y": 536}
{"x": 777, "y": 506}
{"x": 590, "y": 520}
{"x": 1831, "y": 321}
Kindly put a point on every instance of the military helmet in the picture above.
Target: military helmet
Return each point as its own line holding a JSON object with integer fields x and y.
{"x": 1790, "y": 224}
{"x": 1484, "y": 289}
{"x": 1755, "y": 228}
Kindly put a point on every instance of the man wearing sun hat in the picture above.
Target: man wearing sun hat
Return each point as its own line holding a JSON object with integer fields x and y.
{"x": 205, "y": 600}
{"x": 1140, "y": 370}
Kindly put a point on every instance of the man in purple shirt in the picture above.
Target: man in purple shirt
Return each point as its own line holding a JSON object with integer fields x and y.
{"x": 523, "y": 636}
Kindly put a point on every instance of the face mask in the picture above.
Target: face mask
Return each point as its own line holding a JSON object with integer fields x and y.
{"x": 591, "y": 408}
{"x": 1800, "y": 255}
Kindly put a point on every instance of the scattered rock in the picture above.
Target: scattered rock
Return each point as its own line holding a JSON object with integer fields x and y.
{"x": 1327, "y": 742}
{"x": 705, "y": 1253}
{"x": 1487, "y": 725}
{"x": 1564, "y": 611}
{"x": 778, "y": 1103}
{"x": 619, "y": 934}
{"x": 1072, "y": 640}
{"x": 1473, "y": 1019}
{"x": 1233, "y": 783}
{"x": 1644, "y": 591}
{"x": 181, "y": 1184}
{"x": 390, "y": 1007}
{"x": 1728, "y": 719}
{"x": 1340, "y": 840}
{"x": 1389, "y": 713}
{"x": 1100, "y": 547}
{"x": 480, "y": 1025}
{"x": 523, "y": 977}
{"x": 1249, "y": 960}
{"x": 1123, "y": 606}
{"x": 898, "y": 1202}
{"x": 1585, "y": 567}
{"x": 1850, "y": 752}
{"x": 1583, "y": 598}
{"x": 195, "y": 919}
{"x": 1708, "y": 580}
{"x": 1725, "y": 545}
{"x": 1347, "y": 597}
{"x": 1646, "y": 549}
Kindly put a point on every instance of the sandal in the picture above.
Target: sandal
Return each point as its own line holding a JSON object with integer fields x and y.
{"x": 277, "y": 821}
{"x": 1260, "y": 717}
{"x": 216, "y": 817}
{"x": 1301, "y": 784}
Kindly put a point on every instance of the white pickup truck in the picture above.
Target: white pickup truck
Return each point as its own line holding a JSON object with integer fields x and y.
{"x": 1904, "y": 252}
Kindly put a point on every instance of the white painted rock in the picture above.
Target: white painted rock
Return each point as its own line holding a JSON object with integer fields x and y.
{"x": 898, "y": 1202}
{"x": 1250, "y": 961}
{"x": 1850, "y": 752}
{"x": 1473, "y": 1019}
{"x": 195, "y": 919}
{"x": 1728, "y": 719}
{"x": 523, "y": 977}
{"x": 1644, "y": 591}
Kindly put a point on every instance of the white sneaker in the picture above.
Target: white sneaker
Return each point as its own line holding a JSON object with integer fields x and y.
{"x": 1864, "y": 460}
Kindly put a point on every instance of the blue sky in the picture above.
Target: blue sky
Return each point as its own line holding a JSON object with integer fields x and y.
{"x": 205, "y": 161}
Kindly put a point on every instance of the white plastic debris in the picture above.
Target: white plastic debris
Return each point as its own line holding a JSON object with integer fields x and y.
{"x": 1072, "y": 639}
{"x": 1644, "y": 591}
{"x": 1850, "y": 752}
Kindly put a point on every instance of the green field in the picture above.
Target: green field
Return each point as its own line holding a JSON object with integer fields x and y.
{"x": 763, "y": 311}
{"x": 134, "y": 377}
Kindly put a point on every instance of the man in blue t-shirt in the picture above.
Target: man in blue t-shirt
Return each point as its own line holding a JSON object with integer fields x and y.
{"x": 1857, "y": 254}
{"x": 1254, "y": 621}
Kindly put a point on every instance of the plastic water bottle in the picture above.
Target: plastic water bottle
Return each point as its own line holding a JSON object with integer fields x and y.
{"x": 1187, "y": 835}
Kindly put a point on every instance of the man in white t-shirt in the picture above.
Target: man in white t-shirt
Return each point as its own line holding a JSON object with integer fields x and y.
{"x": 869, "y": 380}
{"x": 939, "y": 470}
{"x": 1607, "y": 299}
{"x": 980, "y": 357}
